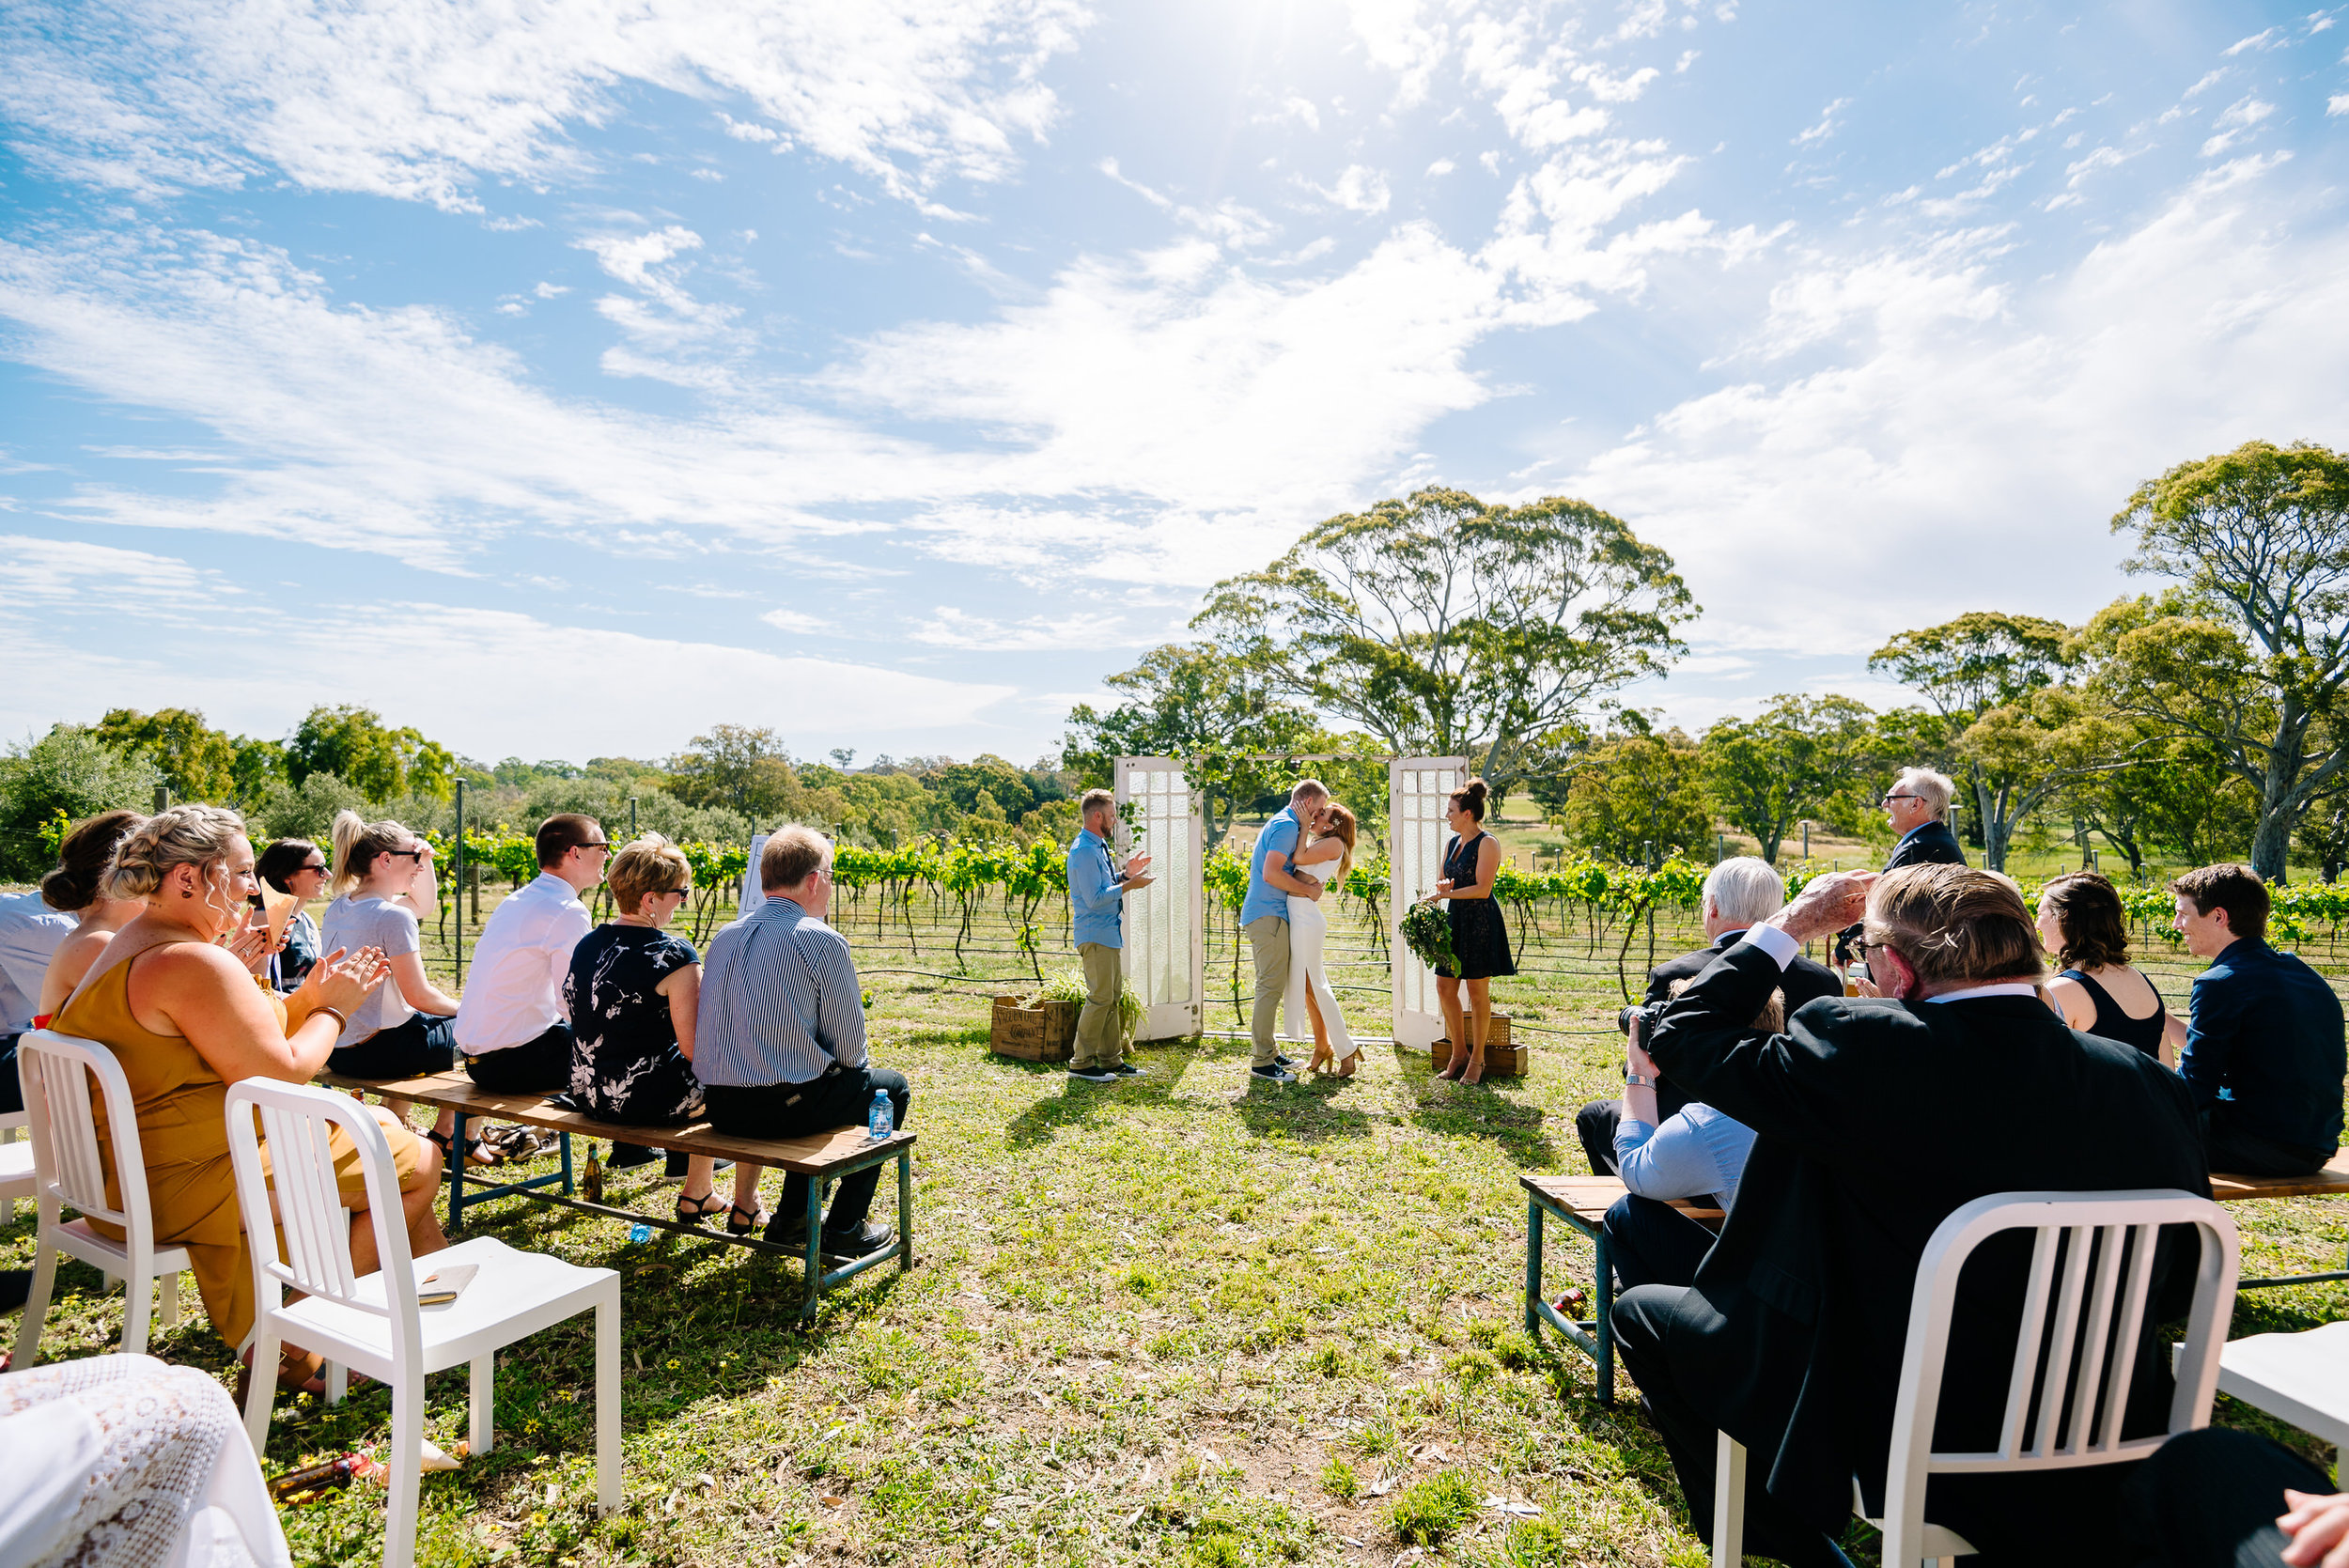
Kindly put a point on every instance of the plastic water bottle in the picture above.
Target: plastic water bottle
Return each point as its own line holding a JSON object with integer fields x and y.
{"x": 880, "y": 1123}
{"x": 639, "y": 1234}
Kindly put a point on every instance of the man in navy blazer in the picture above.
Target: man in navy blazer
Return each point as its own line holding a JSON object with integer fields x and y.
{"x": 2262, "y": 1053}
{"x": 1876, "y": 1117}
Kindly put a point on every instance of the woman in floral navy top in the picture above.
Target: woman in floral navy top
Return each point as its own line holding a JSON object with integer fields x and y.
{"x": 632, "y": 992}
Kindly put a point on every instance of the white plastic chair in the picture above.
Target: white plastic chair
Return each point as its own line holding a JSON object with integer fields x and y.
{"x": 2096, "y": 1325}
{"x": 372, "y": 1322}
{"x": 70, "y": 1171}
{"x": 16, "y": 1163}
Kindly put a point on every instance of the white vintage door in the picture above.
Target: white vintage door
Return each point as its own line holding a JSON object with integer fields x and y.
{"x": 1418, "y": 790}
{"x": 1166, "y": 939}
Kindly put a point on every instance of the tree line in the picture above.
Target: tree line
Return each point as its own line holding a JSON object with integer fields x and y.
{"x": 2203, "y": 720}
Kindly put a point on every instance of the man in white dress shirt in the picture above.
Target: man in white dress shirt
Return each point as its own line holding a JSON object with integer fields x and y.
{"x": 511, "y": 1022}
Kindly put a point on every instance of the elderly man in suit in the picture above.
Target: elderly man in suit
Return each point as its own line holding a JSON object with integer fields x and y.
{"x": 1918, "y": 808}
{"x": 1737, "y": 894}
{"x": 1875, "y": 1117}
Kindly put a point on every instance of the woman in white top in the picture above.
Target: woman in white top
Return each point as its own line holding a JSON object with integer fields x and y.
{"x": 1326, "y": 858}
{"x": 403, "y": 1029}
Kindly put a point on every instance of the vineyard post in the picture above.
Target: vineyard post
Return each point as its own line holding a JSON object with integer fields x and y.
{"x": 631, "y": 816}
{"x": 457, "y": 893}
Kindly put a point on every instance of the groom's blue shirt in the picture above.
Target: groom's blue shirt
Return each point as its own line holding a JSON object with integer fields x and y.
{"x": 1095, "y": 894}
{"x": 1278, "y": 838}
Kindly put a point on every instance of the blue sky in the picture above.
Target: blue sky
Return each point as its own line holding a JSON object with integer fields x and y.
{"x": 562, "y": 378}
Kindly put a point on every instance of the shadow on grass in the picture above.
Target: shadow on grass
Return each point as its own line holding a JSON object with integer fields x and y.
{"x": 1474, "y": 1111}
{"x": 1310, "y": 1111}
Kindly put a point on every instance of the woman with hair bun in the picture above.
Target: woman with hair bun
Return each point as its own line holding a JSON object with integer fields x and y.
{"x": 1480, "y": 940}
{"x": 185, "y": 1019}
{"x": 72, "y": 888}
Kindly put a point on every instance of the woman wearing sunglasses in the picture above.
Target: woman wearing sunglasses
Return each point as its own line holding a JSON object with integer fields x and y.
{"x": 634, "y": 992}
{"x": 382, "y": 880}
{"x": 297, "y": 866}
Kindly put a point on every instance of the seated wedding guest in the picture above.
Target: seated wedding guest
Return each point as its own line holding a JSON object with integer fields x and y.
{"x": 2262, "y": 1051}
{"x": 780, "y": 1042}
{"x": 296, "y": 867}
{"x": 2217, "y": 1498}
{"x": 1874, "y": 1117}
{"x": 633, "y": 992}
{"x": 30, "y": 935}
{"x": 405, "y": 1030}
{"x": 1737, "y": 894}
{"x": 73, "y": 887}
{"x": 2083, "y": 922}
{"x": 512, "y": 1028}
{"x": 185, "y": 1020}
{"x": 1696, "y": 1152}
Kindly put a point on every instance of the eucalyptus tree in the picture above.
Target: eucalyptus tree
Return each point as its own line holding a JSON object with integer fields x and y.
{"x": 1447, "y": 626}
{"x": 1767, "y": 773}
{"x": 2252, "y": 656}
{"x": 1219, "y": 713}
{"x": 1997, "y": 679}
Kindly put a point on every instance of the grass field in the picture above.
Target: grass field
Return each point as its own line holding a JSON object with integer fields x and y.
{"x": 1188, "y": 1319}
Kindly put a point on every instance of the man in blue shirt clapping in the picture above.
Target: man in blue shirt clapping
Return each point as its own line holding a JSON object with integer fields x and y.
{"x": 1097, "y": 895}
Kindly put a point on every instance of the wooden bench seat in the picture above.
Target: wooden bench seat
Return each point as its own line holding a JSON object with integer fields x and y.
{"x": 1582, "y": 1202}
{"x": 822, "y": 1157}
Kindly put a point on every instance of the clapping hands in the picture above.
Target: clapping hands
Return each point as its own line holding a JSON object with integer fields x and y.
{"x": 343, "y": 980}
{"x": 1138, "y": 873}
{"x": 252, "y": 945}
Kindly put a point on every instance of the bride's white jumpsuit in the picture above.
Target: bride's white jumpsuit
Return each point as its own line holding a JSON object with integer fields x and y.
{"x": 1309, "y": 930}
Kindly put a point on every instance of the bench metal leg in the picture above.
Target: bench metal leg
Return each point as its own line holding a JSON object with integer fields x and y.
{"x": 455, "y": 1174}
{"x": 1533, "y": 1270}
{"x": 1604, "y": 1266}
{"x": 567, "y": 1162}
{"x": 905, "y": 1209}
{"x": 814, "y": 1245}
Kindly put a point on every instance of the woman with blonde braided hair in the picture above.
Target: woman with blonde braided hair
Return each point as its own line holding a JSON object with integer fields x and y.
{"x": 186, "y": 1019}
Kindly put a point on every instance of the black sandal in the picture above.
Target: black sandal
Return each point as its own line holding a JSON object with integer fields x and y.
{"x": 693, "y": 1211}
{"x": 477, "y": 1154}
{"x": 758, "y": 1218}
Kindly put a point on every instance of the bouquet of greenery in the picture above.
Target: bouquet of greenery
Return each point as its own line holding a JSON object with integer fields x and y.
{"x": 1068, "y": 984}
{"x": 1427, "y": 930}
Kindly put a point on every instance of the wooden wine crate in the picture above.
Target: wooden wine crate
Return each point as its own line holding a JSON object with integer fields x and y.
{"x": 1045, "y": 1032}
{"x": 1504, "y": 1057}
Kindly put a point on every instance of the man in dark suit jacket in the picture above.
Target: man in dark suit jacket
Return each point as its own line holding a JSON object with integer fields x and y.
{"x": 2263, "y": 1053}
{"x": 1737, "y": 893}
{"x": 1916, "y": 807}
{"x": 1876, "y": 1117}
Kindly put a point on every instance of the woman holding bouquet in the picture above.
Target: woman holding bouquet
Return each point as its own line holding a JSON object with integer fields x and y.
{"x": 1480, "y": 942}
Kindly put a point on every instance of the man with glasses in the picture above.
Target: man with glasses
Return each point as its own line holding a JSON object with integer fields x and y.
{"x": 515, "y": 1036}
{"x": 1918, "y": 808}
{"x": 779, "y": 1042}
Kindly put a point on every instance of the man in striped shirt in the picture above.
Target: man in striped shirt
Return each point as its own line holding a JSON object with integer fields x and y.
{"x": 779, "y": 1046}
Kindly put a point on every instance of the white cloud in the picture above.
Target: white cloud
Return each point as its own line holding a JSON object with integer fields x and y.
{"x": 1827, "y": 127}
{"x": 1359, "y": 189}
{"x": 421, "y": 664}
{"x": 1440, "y": 167}
{"x": 2337, "y": 104}
{"x": 793, "y": 620}
{"x": 2209, "y": 81}
{"x": 2267, "y": 39}
{"x": 423, "y": 103}
{"x": 954, "y": 628}
{"x": 2236, "y": 123}
{"x": 1988, "y": 432}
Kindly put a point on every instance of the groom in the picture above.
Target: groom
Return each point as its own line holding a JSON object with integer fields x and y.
{"x": 1265, "y": 916}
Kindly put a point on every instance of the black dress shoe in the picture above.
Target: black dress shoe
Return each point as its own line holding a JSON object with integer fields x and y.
{"x": 628, "y": 1156}
{"x": 866, "y": 1239}
{"x": 16, "y": 1286}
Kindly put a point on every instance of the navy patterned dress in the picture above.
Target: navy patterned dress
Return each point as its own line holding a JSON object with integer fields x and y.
{"x": 1480, "y": 940}
{"x": 626, "y": 1065}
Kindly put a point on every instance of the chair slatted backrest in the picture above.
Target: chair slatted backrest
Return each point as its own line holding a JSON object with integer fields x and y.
{"x": 296, "y": 1121}
{"x": 2085, "y": 1298}
{"x": 57, "y": 1072}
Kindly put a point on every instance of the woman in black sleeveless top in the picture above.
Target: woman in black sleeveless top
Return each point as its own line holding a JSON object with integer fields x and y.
{"x": 1480, "y": 940}
{"x": 2098, "y": 992}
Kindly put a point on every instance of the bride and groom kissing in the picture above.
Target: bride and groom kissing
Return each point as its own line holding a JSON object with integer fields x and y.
{"x": 1302, "y": 853}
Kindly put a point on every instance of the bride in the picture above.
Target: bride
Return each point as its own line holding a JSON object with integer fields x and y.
{"x": 1327, "y": 857}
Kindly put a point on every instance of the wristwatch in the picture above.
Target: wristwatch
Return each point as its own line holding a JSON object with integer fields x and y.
{"x": 1638, "y": 1080}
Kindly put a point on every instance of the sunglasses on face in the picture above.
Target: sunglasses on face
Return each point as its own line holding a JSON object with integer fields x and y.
{"x": 319, "y": 866}
{"x": 1890, "y": 798}
{"x": 404, "y": 854}
{"x": 676, "y": 892}
{"x": 600, "y": 843}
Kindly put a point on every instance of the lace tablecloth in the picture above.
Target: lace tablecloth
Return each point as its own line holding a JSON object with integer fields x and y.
{"x": 125, "y": 1462}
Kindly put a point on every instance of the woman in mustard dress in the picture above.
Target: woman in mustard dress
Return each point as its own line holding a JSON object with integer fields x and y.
{"x": 186, "y": 1019}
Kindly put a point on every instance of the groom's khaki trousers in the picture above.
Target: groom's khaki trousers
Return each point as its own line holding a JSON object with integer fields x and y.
{"x": 1269, "y": 943}
{"x": 1100, "y": 1034}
